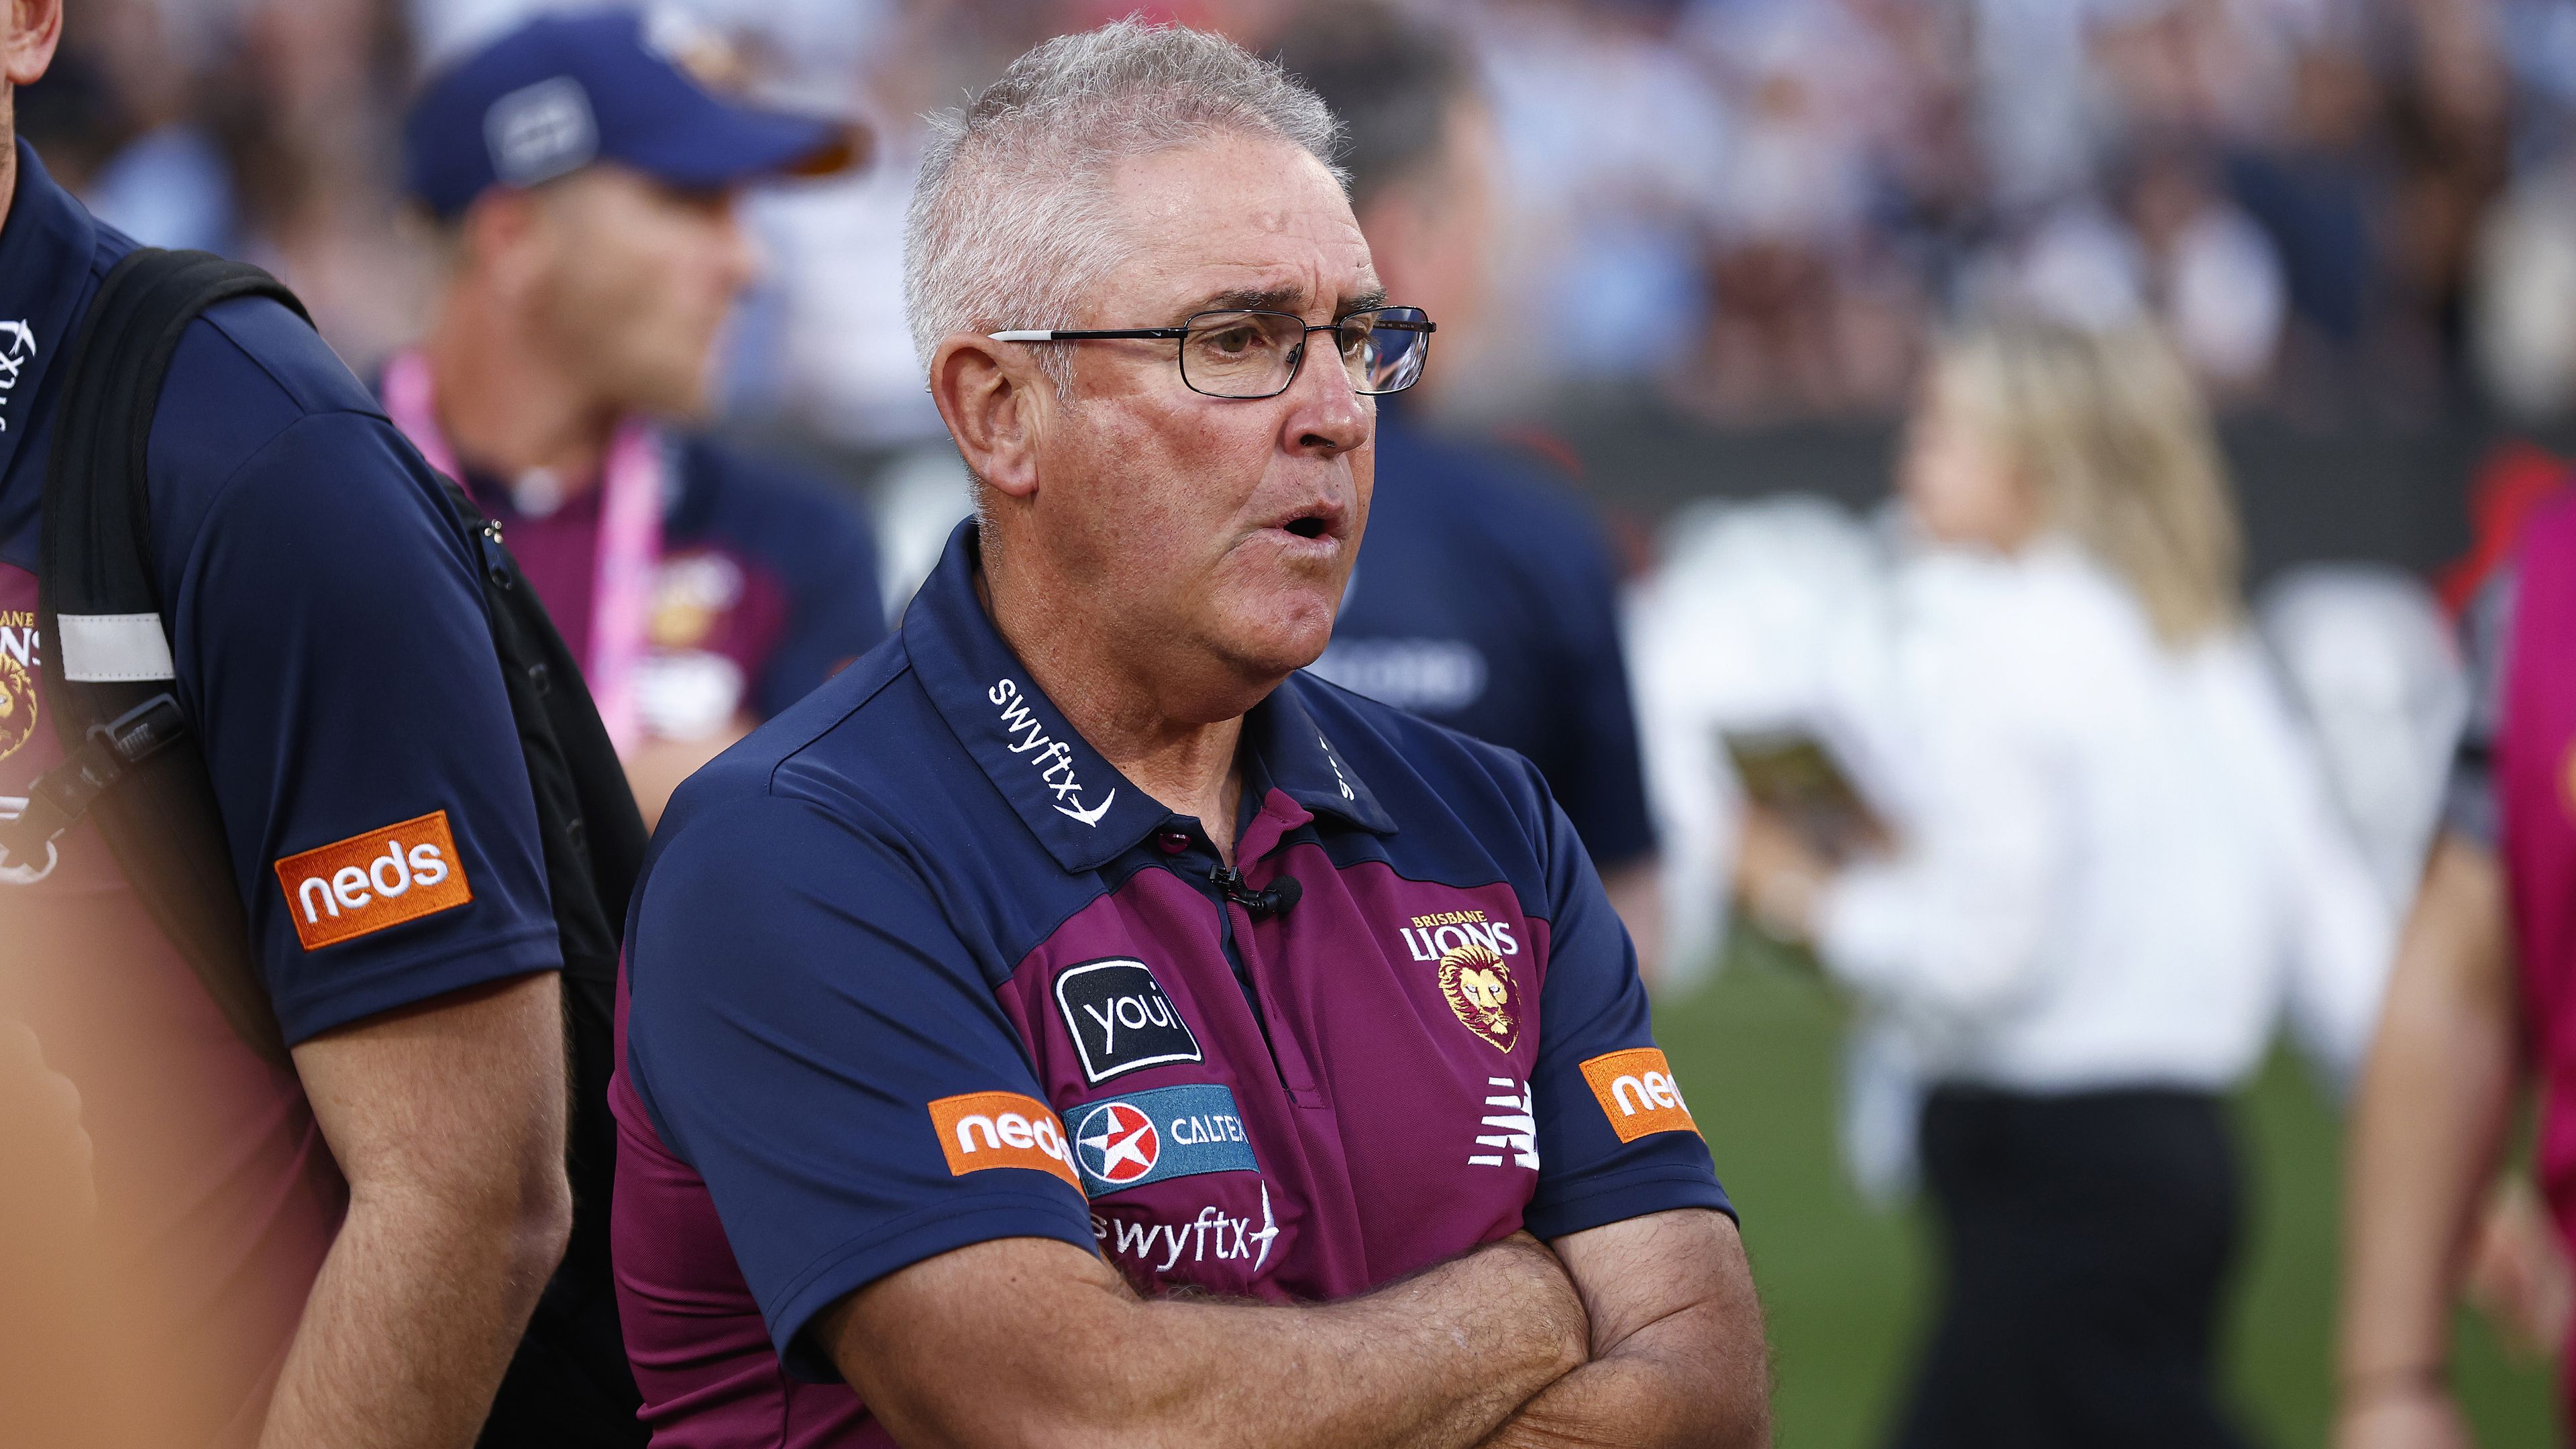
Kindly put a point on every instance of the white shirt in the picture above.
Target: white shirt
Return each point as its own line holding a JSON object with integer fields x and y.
{"x": 2118, "y": 864}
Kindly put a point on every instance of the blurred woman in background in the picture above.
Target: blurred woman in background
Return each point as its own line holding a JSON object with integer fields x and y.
{"x": 2115, "y": 864}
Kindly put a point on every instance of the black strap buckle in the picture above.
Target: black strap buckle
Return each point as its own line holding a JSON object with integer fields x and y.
{"x": 63, "y": 794}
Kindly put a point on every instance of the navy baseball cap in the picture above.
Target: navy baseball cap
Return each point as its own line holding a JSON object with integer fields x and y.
{"x": 571, "y": 88}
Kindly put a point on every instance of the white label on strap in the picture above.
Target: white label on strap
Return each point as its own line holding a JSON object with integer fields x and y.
{"x": 114, "y": 648}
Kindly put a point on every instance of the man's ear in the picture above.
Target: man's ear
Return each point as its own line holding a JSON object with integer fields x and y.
{"x": 494, "y": 233}
{"x": 35, "y": 28}
{"x": 995, "y": 402}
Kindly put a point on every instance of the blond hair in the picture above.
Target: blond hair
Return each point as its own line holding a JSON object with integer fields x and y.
{"x": 2115, "y": 443}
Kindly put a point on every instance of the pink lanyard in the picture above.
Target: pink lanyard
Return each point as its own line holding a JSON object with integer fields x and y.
{"x": 630, "y": 538}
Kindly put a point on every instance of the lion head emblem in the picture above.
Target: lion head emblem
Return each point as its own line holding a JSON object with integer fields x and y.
{"x": 1479, "y": 989}
{"x": 17, "y": 706}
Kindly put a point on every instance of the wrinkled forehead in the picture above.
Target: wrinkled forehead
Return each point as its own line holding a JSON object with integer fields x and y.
{"x": 1233, "y": 221}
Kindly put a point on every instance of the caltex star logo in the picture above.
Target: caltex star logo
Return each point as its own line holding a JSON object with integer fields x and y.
{"x": 1117, "y": 1142}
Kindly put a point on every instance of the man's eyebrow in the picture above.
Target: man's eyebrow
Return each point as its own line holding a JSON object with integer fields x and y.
{"x": 1285, "y": 299}
{"x": 1254, "y": 299}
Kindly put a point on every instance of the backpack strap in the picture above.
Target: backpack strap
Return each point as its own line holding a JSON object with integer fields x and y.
{"x": 109, "y": 662}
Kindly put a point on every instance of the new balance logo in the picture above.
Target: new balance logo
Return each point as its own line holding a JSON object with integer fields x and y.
{"x": 1510, "y": 1127}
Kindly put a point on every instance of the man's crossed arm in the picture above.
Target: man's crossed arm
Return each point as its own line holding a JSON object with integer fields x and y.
{"x": 1028, "y": 1341}
{"x": 1677, "y": 1355}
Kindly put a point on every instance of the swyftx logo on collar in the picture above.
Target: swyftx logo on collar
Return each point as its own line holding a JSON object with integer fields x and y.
{"x": 17, "y": 349}
{"x": 1053, "y": 757}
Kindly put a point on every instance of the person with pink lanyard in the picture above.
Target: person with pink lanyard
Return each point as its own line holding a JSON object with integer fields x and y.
{"x": 2481, "y": 1011}
{"x": 584, "y": 183}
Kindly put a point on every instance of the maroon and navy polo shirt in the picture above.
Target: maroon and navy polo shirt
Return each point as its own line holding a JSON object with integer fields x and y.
{"x": 913, "y": 967}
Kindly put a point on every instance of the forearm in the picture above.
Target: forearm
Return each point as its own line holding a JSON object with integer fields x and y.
{"x": 1678, "y": 1355}
{"x": 1438, "y": 1360}
{"x": 1441, "y": 1360}
{"x": 409, "y": 1326}
{"x": 2435, "y": 1099}
{"x": 1648, "y": 1394}
{"x": 447, "y": 1118}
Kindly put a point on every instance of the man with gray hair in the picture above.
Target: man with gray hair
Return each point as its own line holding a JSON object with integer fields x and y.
{"x": 1073, "y": 1025}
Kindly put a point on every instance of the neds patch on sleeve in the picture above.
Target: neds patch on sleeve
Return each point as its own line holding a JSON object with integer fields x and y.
{"x": 361, "y": 885}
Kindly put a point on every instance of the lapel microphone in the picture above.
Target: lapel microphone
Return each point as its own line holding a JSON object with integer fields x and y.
{"x": 1283, "y": 893}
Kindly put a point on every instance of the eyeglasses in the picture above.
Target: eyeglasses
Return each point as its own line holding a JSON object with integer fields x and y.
{"x": 1249, "y": 354}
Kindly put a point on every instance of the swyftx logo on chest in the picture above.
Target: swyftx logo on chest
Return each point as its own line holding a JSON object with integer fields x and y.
{"x": 1120, "y": 1019}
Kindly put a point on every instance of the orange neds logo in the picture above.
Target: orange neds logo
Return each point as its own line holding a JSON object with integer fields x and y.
{"x": 1001, "y": 1129}
{"x": 368, "y": 882}
{"x": 1637, "y": 1093}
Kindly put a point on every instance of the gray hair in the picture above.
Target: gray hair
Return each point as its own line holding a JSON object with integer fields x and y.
{"x": 1012, "y": 223}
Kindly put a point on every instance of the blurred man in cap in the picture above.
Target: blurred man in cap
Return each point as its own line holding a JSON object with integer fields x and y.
{"x": 585, "y": 182}
{"x": 1485, "y": 597}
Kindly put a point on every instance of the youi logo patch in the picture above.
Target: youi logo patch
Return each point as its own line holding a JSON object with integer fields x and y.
{"x": 1120, "y": 1019}
{"x": 1052, "y": 758}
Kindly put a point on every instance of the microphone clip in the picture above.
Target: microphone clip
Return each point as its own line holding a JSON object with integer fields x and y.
{"x": 1260, "y": 905}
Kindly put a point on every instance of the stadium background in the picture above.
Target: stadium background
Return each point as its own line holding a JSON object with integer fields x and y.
{"x": 2355, "y": 215}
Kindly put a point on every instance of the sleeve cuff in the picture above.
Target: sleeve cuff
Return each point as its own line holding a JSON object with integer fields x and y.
{"x": 410, "y": 980}
{"x": 1630, "y": 1193}
{"x": 938, "y": 1228}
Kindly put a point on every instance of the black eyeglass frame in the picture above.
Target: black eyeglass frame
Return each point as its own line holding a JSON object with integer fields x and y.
{"x": 1181, "y": 334}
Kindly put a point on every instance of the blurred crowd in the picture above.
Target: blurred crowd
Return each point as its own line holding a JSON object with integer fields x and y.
{"x": 1752, "y": 208}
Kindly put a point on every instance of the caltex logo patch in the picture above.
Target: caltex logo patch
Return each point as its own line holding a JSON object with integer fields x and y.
{"x": 1118, "y": 1144}
{"x": 1143, "y": 1137}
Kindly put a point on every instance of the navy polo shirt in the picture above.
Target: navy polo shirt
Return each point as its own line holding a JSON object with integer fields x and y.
{"x": 328, "y": 628}
{"x": 332, "y": 653}
{"x": 1485, "y": 599}
{"x": 913, "y": 967}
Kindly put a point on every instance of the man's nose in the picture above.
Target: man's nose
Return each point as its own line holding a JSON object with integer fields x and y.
{"x": 1326, "y": 416}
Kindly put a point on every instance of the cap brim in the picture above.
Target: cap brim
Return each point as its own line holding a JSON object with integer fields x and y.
{"x": 727, "y": 145}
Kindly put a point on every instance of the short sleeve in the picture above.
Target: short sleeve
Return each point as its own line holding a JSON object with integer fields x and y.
{"x": 809, "y": 1035}
{"x": 1615, "y": 1135}
{"x": 333, "y": 647}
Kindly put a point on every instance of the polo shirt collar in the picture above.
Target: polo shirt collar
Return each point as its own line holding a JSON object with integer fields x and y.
{"x": 1304, "y": 766}
{"x": 47, "y": 245}
{"x": 1085, "y": 812}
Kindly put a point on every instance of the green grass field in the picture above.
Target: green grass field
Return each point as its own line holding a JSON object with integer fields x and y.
{"x": 1846, "y": 1287}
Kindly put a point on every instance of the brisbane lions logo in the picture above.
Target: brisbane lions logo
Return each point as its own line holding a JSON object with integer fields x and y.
{"x": 1479, "y": 989}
